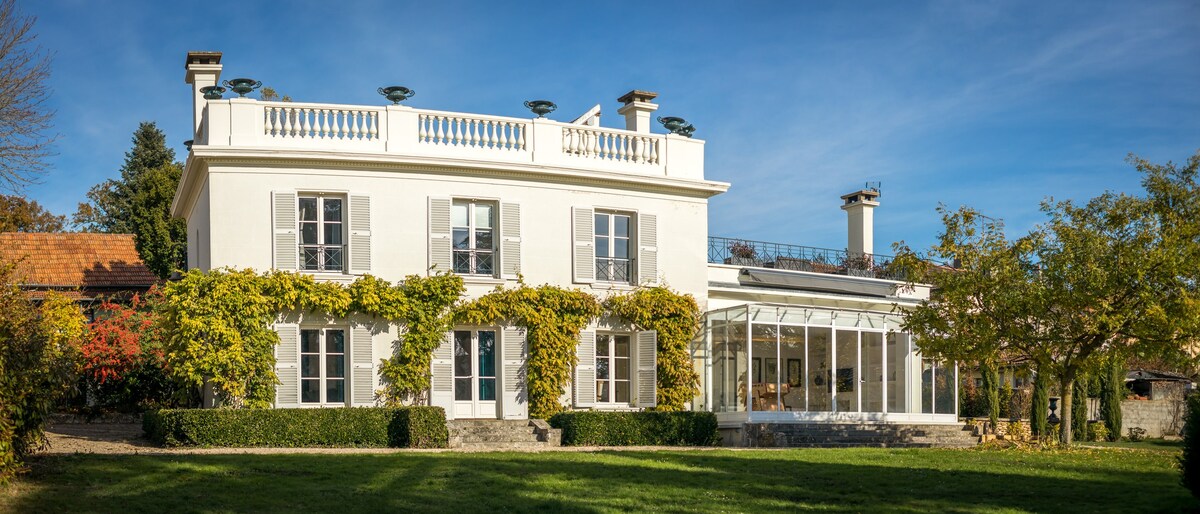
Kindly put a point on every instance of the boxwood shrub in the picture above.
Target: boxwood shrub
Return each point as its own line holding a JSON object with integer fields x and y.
{"x": 404, "y": 427}
{"x": 592, "y": 428}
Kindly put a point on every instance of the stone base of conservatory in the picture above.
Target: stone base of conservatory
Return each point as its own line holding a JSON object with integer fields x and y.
{"x": 836, "y": 429}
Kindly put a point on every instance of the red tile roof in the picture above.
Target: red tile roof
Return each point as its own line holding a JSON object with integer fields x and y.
{"x": 81, "y": 260}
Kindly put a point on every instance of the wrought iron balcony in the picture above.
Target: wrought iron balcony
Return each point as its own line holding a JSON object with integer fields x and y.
{"x": 760, "y": 254}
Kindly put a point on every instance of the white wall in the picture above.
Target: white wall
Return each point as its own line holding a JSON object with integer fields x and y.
{"x": 198, "y": 232}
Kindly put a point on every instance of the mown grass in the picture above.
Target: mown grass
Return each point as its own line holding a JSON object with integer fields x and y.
{"x": 835, "y": 480}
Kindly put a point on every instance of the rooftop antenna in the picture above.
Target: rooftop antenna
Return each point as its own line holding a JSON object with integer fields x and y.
{"x": 874, "y": 186}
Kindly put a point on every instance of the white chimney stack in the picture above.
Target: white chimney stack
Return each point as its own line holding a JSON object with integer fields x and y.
{"x": 860, "y": 213}
{"x": 637, "y": 110}
{"x": 203, "y": 69}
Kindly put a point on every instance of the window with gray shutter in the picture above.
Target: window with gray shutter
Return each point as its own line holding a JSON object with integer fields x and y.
{"x": 362, "y": 375}
{"x": 515, "y": 398}
{"x": 510, "y": 240}
{"x": 360, "y": 234}
{"x": 440, "y": 259}
{"x": 584, "y": 251}
{"x": 647, "y": 241}
{"x": 287, "y": 357}
{"x": 647, "y": 369}
{"x": 283, "y": 213}
{"x": 585, "y": 370}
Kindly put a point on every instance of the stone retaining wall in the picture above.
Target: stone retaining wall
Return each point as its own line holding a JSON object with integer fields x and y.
{"x": 1158, "y": 418}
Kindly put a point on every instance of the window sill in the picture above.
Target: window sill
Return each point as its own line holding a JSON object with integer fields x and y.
{"x": 616, "y": 407}
{"x": 614, "y": 286}
{"x": 330, "y": 276}
{"x": 482, "y": 280}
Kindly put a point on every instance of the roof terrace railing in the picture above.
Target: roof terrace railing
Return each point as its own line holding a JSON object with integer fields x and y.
{"x": 760, "y": 254}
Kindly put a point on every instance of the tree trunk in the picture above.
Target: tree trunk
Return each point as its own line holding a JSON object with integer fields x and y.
{"x": 1067, "y": 384}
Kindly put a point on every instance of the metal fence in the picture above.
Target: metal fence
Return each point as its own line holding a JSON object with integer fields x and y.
{"x": 761, "y": 254}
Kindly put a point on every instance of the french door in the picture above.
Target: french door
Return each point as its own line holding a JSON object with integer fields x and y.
{"x": 474, "y": 373}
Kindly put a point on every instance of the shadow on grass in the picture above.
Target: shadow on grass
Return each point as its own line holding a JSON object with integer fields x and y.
{"x": 837, "y": 480}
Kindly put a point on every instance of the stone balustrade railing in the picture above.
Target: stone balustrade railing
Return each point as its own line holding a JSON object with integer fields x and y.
{"x": 426, "y": 134}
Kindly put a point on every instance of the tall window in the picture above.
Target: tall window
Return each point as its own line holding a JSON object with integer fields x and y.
{"x": 612, "y": 368}
{"x": 322, "y": 246}
{"x": 613, "y": 239}
{"x": 475, "y": 365}
{"x": 474, "y": 245}
{"x": 322, "y": 366}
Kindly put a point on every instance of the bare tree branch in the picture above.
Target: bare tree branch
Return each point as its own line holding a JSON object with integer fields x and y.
{"x": 24, "y": 117}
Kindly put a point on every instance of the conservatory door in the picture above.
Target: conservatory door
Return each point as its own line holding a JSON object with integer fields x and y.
{"x": 474, "y": 373}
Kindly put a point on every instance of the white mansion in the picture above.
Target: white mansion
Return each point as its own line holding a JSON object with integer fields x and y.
{"x": 793, "y": 334}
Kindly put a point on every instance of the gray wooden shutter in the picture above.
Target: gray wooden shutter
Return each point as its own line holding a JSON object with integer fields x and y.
{"x": 283, "y": 214}
{"x": 647, "y": 369}
{"x": 362, "y": 376}
{"x": 585, "y": 370}
{"x": 360, "y": 234}
{"x": 510, "y": 240}
{"x": 441, "y": 382}
{"x": 287, "y": 358}
{"x": 515, "y": 400}
{"x": 584, "y": 229}
{"x": 439, "y": 235}
{"x": 647, "y": 249}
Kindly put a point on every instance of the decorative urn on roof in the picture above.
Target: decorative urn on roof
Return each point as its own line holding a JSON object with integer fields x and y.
{"x": 541, "y": 107}
{"x": 396, "y": 94}
{"x": 243, "y": 85}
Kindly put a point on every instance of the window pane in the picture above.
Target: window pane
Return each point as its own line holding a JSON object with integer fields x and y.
{"x": 333, "y": 258}
{"x": 602, "y": 392}
{"x": 310, "y": 391}
{"x": 310, "y": 366}
{"x": 602, "y": 269}
{"x": 601, "y": 224}
{"x": 602, "y": 247}
{"x": 462, "y": 389}
{"x": 487, "y": 354}
{"x": 622, "y": 346}
{"x": 462, "y": 238}
{"x": 483, "y": 264}
{"x": 602, "y": 345}
{"x": 333, "y": 209}
{"x": 621, "y": 248}
{"x": 310, "y": 258}
{"x": 621, "y": 226}
{"x": 483, "y": 239}
{"x": 308, "y": 233}
{"x": 621, "y": 368}
{"x": 462, "y": 354}
{"x": 602, "y": 368}
{"x": 462, "y": 262}
{"x": 335, "y": 341}
{"x": 333, "y": 234}
{"x": 484, "y": 215}
{"x": 335, "y": 391}
{"x": 487, "y": 389}
{"x": 622, "y": 392}
{"x": 458, "y": 214}
{"x": 335, "y": 366}
{"x": 310, "y": 341}
{"x": 308, "y": 209}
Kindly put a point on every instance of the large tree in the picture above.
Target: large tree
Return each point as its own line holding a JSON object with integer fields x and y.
{"x": 1115, "y": 276}
{"x": 20, "y": 214}
{"x": 24, "y": 117}
{"x": 139, "y": 202}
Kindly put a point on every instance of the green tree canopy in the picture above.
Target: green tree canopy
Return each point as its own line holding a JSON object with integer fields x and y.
{"x": 20, "y": 214}
{"x": 1116, "y": 275}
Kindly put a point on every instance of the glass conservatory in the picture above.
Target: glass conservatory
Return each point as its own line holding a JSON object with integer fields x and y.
{"x": 775, "y": 363}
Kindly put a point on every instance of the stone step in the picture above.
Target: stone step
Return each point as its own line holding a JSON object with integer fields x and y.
{"x": 475, "y": 434}
{"x": 506, "y": 446}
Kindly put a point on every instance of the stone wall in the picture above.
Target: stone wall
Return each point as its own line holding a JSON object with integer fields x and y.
{"x": 1157, "y": 417}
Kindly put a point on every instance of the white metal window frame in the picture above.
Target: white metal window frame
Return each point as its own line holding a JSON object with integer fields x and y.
{"x": 320, "y": 197}
{"x": 322, "y": 370}
{"x": 612, "y": 359}
{"x": 471, "y": 250}
{"x": 630, "y": 247}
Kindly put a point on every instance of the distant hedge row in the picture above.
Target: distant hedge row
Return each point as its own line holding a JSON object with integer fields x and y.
{"x": 404, "y": 427}
{"x": 592, "y": 428}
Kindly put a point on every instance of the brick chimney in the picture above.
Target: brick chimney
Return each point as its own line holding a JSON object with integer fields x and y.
{"x": 637, "y": 109}
{"x": 203, "y": 69}
{"x": 860, "y": 213}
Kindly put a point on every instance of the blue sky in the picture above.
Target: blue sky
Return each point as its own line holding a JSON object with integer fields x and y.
{"x": 996, "y": 105}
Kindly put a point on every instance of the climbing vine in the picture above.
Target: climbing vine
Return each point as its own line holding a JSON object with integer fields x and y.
{"x": 676, "y": 318}
{"x": 218, "y": 326}
{"x": 552, "y": 318}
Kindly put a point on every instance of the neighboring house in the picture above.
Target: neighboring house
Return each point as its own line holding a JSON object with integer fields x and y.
{"x": 343, "y": 190}
{"x": 82, "y": 266}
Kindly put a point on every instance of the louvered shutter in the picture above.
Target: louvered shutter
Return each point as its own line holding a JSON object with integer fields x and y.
{"x": 283, "y": 214}
{"x": 362, "y": 376}
{"x": 647, "y": 249}
{"x": 647, "y": 369}
{"x": 585, "y": 371}
{"x": 515, "y": 399}
{"x": 287, "y": 358}
{"x": 360, "y": 234}
{"x": 584, "y": 230}
{"x": 510, "y": 240}
{"x": 442, "y": 380}
{"x": 439, "y": 235}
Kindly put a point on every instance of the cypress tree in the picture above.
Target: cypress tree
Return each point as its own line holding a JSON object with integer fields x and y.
{"x": 1189, "y": 462}
{"x": 1079, "y": 412}
{"x": 991, "y": 392}
{"x": 1112, "y": 391}
{"x": 1040, "y": 406}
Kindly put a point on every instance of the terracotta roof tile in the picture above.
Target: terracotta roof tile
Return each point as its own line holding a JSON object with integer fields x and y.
{"x": 71, "y": 259}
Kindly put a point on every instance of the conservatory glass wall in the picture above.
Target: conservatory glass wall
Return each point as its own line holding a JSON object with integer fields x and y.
{"x": 781, "y": 363}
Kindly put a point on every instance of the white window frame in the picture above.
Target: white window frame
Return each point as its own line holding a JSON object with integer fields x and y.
{"x": 612, "y": 359}
{"x": 344, "y": 223}
{"x": 604, "y": 272}
{"x": 471, "y": 250}
{"x": 322, "y": 375}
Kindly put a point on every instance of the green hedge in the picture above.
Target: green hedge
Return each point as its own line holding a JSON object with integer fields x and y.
{"x": 1189, "y": 462}
{"x": 591, "y": 428}
{"x": 404, "y": 427}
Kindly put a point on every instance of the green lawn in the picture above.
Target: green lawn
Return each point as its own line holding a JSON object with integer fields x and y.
{"x": 854, "y": 480}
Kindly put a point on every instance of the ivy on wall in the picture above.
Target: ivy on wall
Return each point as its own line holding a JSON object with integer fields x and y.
{"x": 218, "y": 326}
{"x": 676, "y": 318}
{"x": 552, "y": 317}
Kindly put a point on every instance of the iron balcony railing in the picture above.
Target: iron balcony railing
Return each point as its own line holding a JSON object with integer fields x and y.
{"x": 744, "y": 252}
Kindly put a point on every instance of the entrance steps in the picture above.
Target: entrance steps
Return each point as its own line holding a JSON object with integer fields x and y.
{"x": 503, "y": 434}
{"x": 878, "y": 435}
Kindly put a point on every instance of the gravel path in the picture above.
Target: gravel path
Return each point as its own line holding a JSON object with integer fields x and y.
{"x": 126, "y": 439}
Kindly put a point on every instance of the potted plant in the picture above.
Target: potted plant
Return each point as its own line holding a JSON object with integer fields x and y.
{"x": 742, "y": 253}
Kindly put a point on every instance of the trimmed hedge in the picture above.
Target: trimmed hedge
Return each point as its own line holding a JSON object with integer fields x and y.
{"x": 1189, "y": 462}
{"x": 653, "y": 428}
{"x": 404, "y": 427}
